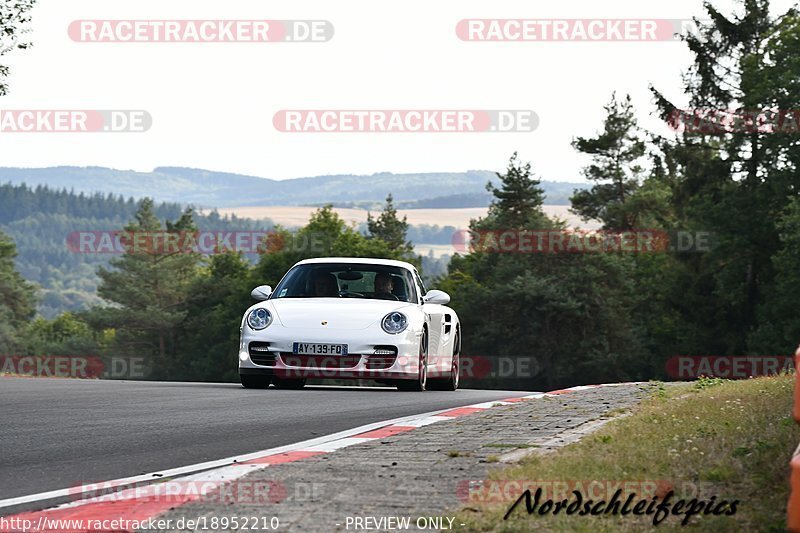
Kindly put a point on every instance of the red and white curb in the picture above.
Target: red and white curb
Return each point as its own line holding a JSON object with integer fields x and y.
{"x": 139, "y": 498}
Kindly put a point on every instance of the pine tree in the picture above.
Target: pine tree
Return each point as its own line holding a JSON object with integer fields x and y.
{"x": 390, "y": 229}
{"x": 518, "y": 201}
{"x": 734, "y": 181}
{"x": 150, "y": 290}
{"x": 222, "y": 292}
{"x": 17, "y": 299}
{"x": 614, "y": 169}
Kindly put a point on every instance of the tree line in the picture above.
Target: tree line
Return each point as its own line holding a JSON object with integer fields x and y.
{"x": 730, "y": 169}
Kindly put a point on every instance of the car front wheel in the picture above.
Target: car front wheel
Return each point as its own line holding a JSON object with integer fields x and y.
{"x": 451, "y": 383}
{"x": 421, "y": 382}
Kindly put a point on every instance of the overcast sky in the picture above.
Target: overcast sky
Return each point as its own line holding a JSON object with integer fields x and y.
{"x": 212, "y": 104}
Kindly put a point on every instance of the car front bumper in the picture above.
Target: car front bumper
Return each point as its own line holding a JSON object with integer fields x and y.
{"x": 274, "y": 356}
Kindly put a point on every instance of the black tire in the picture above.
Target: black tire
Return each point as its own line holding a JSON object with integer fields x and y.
{"x": 289, "y": 384}
{"x": 254, "y": 382}
{"x": 451, "y": 383}
{"x": 419, "y": 384}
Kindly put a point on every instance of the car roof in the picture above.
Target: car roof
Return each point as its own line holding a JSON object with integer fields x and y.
{"x": 362, "y": 260}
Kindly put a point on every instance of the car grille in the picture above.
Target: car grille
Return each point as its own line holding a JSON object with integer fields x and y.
{"x": 321, "y": 361}
{"x": 260, "y": 354}
{"x": 383, "y": 358}
{"x": 380, "y": 362}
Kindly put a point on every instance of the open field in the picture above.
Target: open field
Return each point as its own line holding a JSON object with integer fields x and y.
{"x": 295, "y": 216}
{"x": 438, "y": 249}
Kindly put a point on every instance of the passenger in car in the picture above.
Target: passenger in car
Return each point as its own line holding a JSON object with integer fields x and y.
{"x": 384, "y": 285}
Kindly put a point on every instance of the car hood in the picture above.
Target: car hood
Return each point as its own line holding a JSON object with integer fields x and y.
{"x": 337, "y": 313}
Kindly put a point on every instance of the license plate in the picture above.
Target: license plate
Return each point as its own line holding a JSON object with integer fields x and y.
{"x": 315, "y": 348}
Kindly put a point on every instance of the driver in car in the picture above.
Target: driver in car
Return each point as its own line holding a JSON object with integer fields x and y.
{"x": 325, "y": 285}
{"x": 384, "y": 285}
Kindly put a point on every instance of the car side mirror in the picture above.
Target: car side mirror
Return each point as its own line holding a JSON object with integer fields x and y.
{"x": 436, "y": 297}
{"x": 261, "y": 292}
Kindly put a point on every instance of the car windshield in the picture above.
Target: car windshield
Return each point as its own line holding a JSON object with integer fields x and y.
{"x": 347, "y": 280}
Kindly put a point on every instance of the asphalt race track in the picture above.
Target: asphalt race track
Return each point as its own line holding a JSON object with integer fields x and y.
{"x": 58, "y": 433}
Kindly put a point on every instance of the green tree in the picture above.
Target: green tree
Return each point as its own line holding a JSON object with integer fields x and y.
{"x": 734, "y": 181}
{"x": 149, "y": 288}
{"x": 614, "y": 169}
{"x": 518, "y": 201}
{"x": 17, "y": 300}
{"x": 325, "y": 235}
{"x": 67, "y": 334}
{"x": 221, "y": 294}
{"x": 570, "y": 312}
{"x": 778, "y": 331}
{"x": 390, "y": 229}
{"x": 14, "y": 19}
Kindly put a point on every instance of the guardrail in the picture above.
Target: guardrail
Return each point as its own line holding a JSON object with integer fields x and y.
{"x": 793, "y": 508}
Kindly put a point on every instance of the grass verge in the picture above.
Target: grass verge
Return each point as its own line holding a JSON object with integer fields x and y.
{"x": 731, "y": 440}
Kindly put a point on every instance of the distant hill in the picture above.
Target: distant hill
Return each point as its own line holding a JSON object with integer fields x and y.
{"x": 40, "y": 220}
{"x": 205, "y": 188}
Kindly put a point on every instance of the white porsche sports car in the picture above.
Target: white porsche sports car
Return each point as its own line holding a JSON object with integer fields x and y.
{"x": 356, "y": 318}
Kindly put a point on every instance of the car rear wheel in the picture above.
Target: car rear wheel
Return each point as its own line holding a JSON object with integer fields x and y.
{"x": 421, "y": 382}
{"x": 254, "y": 382}
{"x": 290, "y": 384}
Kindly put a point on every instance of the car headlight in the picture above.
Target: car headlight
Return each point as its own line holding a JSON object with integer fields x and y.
{"x": 259, "y": 318}
{"x": 394, "y": 322}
